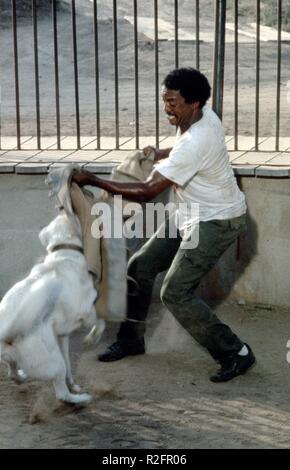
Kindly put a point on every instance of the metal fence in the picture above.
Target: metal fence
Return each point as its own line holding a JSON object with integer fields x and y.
{"x": 49, "y": 101}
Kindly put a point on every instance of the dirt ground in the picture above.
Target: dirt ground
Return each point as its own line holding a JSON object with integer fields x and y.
{"x": 163, "y": 399}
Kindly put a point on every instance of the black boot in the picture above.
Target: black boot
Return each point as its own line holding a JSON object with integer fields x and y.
{"x": 119, "y": 349}
{"x": 233, "y": 366}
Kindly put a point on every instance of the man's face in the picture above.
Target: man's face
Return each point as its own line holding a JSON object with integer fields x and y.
{"x": 179, "y": 112}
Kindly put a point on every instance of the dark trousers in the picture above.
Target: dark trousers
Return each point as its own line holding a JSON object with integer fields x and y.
{"x": 186, "y": 267}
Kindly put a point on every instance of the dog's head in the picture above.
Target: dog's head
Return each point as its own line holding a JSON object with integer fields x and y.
{"x": 61, "y": 230}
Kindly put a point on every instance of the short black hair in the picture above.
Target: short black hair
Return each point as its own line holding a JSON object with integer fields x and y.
{"x": 190, "y": 83}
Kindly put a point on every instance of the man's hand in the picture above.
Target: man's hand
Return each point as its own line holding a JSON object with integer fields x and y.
{"x": 158, "y": 153}
{"x": 147, "y": 151}
{"x": 81, "y": 177}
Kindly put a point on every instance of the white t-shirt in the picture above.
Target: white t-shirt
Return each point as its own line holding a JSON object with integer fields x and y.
{"x": 199, "y": 166}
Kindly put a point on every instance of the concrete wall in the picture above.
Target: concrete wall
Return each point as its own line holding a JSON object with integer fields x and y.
{"x": 255, "y": 270}
{"x": 24, "y": 210}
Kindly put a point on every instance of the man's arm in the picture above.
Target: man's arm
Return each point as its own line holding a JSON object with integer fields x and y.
{"x": 138, "y": 192}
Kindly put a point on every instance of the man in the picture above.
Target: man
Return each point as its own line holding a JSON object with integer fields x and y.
{"x": 199, "y": 171}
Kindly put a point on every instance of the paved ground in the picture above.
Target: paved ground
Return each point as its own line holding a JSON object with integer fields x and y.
{"x": 246, "y": 162}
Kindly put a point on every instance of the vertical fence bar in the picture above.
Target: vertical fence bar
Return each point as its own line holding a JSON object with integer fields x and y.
{"x": 16, "y": 72}
{"x": 278, "y": 91}
{"x": 219, "y": 57}
{"x": 176, "y": 33}
{"x": 36, "y": 71}
{"x": 97, "y": 73}
{"x": 136, "y": 66}
{"x": 56, "y": 72}
{"x": 156, "y": 72}
{"x": 116, "y": 67}
{"x": 76, "y": 76}
{"x": 236, "y": 98}
{"x": 257, "y": 111}
{"x": 197, "y": 58}
{"x": 0, "y": 117}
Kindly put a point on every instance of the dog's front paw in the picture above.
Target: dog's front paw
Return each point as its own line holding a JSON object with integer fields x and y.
{"x": 90, "y": 338}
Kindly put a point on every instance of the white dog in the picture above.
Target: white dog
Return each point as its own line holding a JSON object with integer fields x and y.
{"x": 38, "y": 314}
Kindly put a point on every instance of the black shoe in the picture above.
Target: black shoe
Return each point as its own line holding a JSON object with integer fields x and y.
{"x": 118, "y": 350}
{"x": 233, "y": 366}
